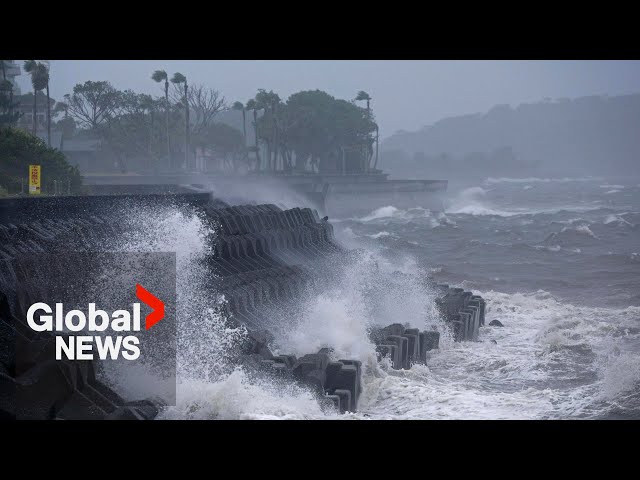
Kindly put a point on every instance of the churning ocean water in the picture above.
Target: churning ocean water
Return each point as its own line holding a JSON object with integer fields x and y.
{"x": 558, "y": 261}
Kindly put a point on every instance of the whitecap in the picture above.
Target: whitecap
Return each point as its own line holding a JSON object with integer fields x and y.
{"x": 380, "y": 235}
{"x": 491, "y": 180}
{"x": 382, "y": 212}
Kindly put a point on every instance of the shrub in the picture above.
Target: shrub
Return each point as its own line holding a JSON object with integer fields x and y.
{"x": 19, "y": 149}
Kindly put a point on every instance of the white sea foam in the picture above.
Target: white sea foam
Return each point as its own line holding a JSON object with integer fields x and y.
{"x": 616, "y": 219}
{"x": 237, "y": 397}
{"x": 525, "y": 375}
{"x": 382, "y": 212}
{"x": 380, "y": 235}
{"x": 474, "y": 201}
{"x": 492, "y": 180}
{"x": 580, "y": 229}
{"x": 471, "y": 201}
{"x": 391, "y": 214}
{"x": 530, "y": 373}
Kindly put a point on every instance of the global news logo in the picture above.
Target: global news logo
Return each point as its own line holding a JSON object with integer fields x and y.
{"x": 83, "y": 346}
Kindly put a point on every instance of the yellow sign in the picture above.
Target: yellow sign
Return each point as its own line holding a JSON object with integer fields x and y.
{"x": 34, "y": 179}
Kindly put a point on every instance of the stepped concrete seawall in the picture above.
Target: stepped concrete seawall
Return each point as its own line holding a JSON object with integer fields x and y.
{"x": 263, "y": 258}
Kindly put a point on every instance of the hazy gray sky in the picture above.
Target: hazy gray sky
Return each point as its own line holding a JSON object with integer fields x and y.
{"x": 406, "y": 94}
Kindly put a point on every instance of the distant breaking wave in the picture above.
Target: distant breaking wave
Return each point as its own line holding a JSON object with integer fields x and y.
{"x": 473, "y": 201}
{"x": 382, "y": 212}
{"x": 492, "y": 180}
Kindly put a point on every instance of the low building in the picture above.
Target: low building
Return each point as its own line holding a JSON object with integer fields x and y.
{"x": 25, "y": 107}
{"x": 11, "y": 71}
{"x": 84, "y": 153}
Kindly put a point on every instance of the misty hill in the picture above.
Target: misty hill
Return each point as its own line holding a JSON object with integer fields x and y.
{"x": 596, "y": 135}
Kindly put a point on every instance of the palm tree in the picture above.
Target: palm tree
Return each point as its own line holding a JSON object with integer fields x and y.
{"x": 39, "y": 80}
{"x": 362, "y": 95}
{"x": 375, "y": 163}
{"x": 45, "y": 73}
{"x": 180, "y": 79}
{"x": 147, "y": 104}
{"x": 252, "y": 105}
{"x": 161, "y": 76}
{"x": 240, "y": 106}
{"x": 268, "y": 101}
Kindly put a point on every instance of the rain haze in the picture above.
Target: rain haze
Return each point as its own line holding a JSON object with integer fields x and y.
{"x": 347, "y": 239}
{"x": 407, "y": 95}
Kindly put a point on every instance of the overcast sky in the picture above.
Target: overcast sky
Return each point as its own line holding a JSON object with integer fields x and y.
{"x": 406, "y": 94}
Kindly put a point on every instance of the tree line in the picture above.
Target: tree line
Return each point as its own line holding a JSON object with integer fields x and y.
{"x": 310, "y": 130}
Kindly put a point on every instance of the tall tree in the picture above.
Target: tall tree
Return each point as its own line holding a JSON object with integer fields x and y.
{"x": 46, "y": 74}
{"x": 252, "y": 105}
{"x": 375, "y": 163}
{"x": 239, "y": 106}
{"x": 149, "y": 105}
{"x": 204, "y": 105}
{"x": 39, "y": 80}
{"x": 327, "y": 130}
{"x": 161, "y": 76}
{"x": 269, "y": 102}
{"x": 180, "y": 79}
{"x": 66, "y": 124}
{"x": 92, "y": 104}
{"x": 226, "y": 141}
{"x": 364, "y": 96}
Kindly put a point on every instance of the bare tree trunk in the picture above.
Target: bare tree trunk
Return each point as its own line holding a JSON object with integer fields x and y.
{"x": 375, "y": 164}
{"x": 186, "y": 134}
{"x": 269, "y": 159}
{"x": 255, "y": 127}
{"x": 166, "y": 97}
{"x": 35, "y": 111}
{"x": 275, "y": 136}
{"x": 48, "y": 118}
{"x": 151, "y": 139}
{"x": 244, "y": 126}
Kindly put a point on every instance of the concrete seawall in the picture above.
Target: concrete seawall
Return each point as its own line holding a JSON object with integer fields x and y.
{"x": 263, "y": 256}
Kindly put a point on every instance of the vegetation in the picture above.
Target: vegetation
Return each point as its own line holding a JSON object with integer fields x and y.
{"x": 8, "y": 115}
{"x": 39, "y": 81}
{"x": 311, "y": 130}
{"x": 21, "y": 149}
{"x": 160, "y": 76}
{"x": 179, "y": 79}
{"x": 316, "y": 129}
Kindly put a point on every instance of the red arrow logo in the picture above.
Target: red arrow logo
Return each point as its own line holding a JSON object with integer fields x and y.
{"x": 154, "y": 302}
